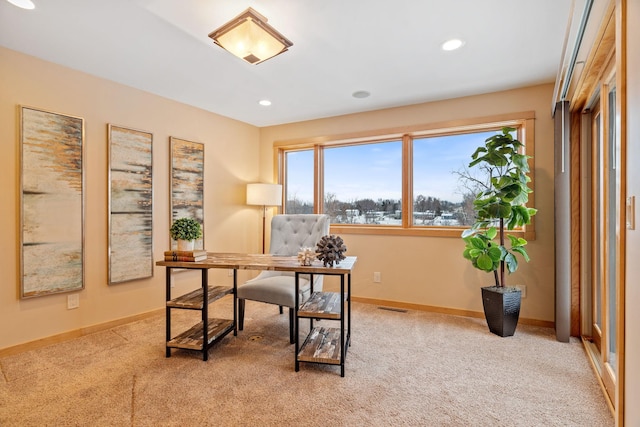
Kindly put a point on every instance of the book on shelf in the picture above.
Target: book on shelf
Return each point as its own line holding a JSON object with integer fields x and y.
{"x": 194, "y": 253}
{"x": 185, "y": 258}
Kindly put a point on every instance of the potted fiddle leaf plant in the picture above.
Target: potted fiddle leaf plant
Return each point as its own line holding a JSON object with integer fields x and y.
{"x": 499, "y": 206}
{"x": 185, "y": 231}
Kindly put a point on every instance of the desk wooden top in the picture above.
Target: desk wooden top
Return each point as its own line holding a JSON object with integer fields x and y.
{"x": 262, "y": 262}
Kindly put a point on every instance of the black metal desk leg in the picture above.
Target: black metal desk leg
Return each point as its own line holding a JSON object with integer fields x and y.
{"x": 235, "y": 302}
{"x": 349, "y": 310}
{"x": 168, "y": 313}
{"x": 205, "y": 314}
{"x": 311, "y": 293}
{"x": 295, "y": 323}
{"x": 343, "y": 350}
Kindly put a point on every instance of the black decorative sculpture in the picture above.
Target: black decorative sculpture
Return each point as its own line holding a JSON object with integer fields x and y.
{"x": 330, "y": 250}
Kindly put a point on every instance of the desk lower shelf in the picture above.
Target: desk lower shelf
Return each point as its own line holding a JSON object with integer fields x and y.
{"x": 194, "y": 301}
{"x": 192, "y": 338}
{"x": 323, "y": 345}
{"x": 321, "y": 305}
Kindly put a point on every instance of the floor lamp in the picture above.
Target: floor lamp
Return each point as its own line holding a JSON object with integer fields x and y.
{"x": 264, "y": 195}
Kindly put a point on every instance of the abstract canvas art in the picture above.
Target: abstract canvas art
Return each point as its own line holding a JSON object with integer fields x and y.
{"x": 52, "y": 202}
{"x": 130, "y": 204}
{"x": 187, "y": 183}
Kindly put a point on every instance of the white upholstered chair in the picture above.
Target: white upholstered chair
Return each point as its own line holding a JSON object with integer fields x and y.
{"x": 289, "y": 233}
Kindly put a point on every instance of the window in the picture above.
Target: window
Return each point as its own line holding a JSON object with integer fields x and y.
{"x": 403, "y": 183}
{"x": 299, "y": 182}
{"x": 363, "y": 183}
{"x": 439, "y": 198}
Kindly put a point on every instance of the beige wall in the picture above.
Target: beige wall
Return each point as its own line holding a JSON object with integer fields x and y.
{"x": 231, "y": 160}
{"x": 429, "y": 270}
{"x": 632, "y": 297}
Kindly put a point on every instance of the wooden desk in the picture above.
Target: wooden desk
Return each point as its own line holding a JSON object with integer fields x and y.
{"x": 316, "y": 308}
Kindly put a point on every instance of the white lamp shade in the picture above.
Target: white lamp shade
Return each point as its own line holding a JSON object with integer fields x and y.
{"x": 264, "y": 194}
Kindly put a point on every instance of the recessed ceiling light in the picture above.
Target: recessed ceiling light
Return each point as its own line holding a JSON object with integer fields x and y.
{"x": 24, "y": 4}
{"x": 264, "y": 102}
{"x": 361, "y": 94}
{"x": 452, "y": 44}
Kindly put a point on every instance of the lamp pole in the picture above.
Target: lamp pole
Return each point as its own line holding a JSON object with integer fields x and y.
{"x": 264, "y": 224}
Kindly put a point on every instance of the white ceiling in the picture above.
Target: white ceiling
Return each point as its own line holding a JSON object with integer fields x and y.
{"x": 389, "y": 48}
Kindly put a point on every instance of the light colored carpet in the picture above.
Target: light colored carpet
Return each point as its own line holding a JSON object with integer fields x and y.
{"x": 414, "y": 369}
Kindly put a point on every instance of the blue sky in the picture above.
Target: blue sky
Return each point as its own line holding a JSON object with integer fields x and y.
{"x": 374, "y": 170}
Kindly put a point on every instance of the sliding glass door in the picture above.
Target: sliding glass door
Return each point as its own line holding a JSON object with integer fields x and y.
{"x": 605, "y": 231}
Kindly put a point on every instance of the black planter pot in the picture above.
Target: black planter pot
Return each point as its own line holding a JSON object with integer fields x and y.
{"x": 501, "y": 309}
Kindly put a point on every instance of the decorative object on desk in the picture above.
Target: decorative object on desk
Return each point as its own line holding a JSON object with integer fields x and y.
{"x": 331, "y": 250}
{"x": 500, "y": 201}
{"x": 306, "y": 256}
{"x": 264, "y": 195}
{"x": 187, "y": 183}
{"x": 185, "y": 231}
{"x": 130, "y": 204}
{"x": 187, "y": 256}
{"x": 51, "y": 203}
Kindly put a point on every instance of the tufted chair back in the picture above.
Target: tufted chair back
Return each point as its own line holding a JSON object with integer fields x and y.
{"x": 289, "y": 233}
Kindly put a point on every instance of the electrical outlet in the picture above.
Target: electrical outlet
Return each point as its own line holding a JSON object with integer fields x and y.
{"x": 523, "y": 289}
{"x": 73, "y": 301}
{"x": 230, "y": 272}
{"x": 377, "y": 277}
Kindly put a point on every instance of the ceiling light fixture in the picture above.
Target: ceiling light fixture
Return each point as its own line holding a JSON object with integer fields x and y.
{"x": 249, "y": 37}
{"x": 23, "y": 4}
{"x": 452, "y": 44}
{"x": 264, "y": 102}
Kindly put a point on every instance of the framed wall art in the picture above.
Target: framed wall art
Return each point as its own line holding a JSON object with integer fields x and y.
{"x": 51, "y": 202}
{"x": 130, "y": 204}
{"x": 187, "y": 183}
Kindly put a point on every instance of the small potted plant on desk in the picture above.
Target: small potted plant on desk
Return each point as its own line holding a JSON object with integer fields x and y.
{"x": 499, "y": 206}
{"x": 185, "y": 231}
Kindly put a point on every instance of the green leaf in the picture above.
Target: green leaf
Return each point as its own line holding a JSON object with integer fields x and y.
{"x": 477, "y": 243}
{"x": 511, "y": 262}
{"x": 520, "y": 160}
{"x": 499, "y": 210}
{"x": 495, "y": 253}
{"x": 523, "y": 212}
{"x": 491, "y": 233}
{"x": 475, "y": 162}
{"x": 521, "y": 198}
{"x": 467, "y": 233}
{"x": 475, "y": 253}
{"x": 485, "y": 263}
{"x": 522, "y": 251}
{"x": 478, "y": 151}
{"x": 516, "y": 241}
